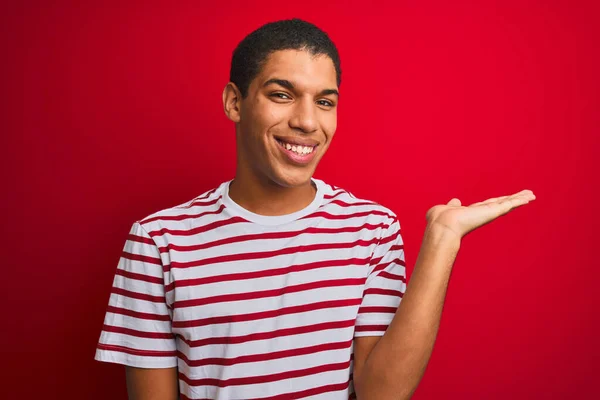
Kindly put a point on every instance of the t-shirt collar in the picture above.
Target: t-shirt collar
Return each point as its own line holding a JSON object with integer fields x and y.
{"x": 238, "y": 210}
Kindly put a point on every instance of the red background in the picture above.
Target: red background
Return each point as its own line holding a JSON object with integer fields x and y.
{"x": 114, "y": 111}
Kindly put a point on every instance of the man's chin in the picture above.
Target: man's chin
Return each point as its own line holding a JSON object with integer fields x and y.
{"x": 293, "y": 181}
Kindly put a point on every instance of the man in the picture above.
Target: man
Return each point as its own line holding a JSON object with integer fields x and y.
{"x": 276, "y": 285}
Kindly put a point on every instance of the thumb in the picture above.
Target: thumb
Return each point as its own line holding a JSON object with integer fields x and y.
{"x": 454, "y": 202}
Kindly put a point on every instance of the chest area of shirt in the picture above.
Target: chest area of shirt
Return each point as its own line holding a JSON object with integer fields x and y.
{"x": 250, "y": 276}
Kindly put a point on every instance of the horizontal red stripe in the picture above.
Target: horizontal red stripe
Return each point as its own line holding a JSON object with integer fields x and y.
{"x": 139, "y": 257}
{"x": 388, "y": 292}
{"x": 140, "y": 277}
{"x": 385, "y": 274}
{"x": 136, "y": 352}
{"x": 377, "y": 309}
{"x": 200, "y": 200}
{"x": 271, "y": 334}
{"x": 391, "y": 238}
{"x": 134, "y": 332}
{"x": 334, "y": 387}
{"x": 197, "y": 230}
{"x": 396, "y": 247}
{"x": 274, "y": 355}
{"x": 268, "y": 293}
{"x": 358, "y": 203}
{"x": 334, "y": 195}
{"x": 377, "y": 260}
{"x": 327, "y": 215}
{"x": 251, "y": 380}
{"x": 137, "y": 314}
{"x": 265, "y": 273}
{"x": 140, "y": 239}
{"x": 271, "y": 235}
{"x": 385, "y": 265}
{"x": 369, "y": 328}
{"x": 267, "y": 314}
{"x": 269, "y": 254}
{"x": 182, "y": 217}
{"x": 195, "y": 202}
{"x": 136, "y": 295}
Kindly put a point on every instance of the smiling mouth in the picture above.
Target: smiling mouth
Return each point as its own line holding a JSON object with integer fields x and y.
{"x": 298, "y": 149}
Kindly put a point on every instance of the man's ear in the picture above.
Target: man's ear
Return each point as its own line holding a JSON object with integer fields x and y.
{"x": 232, "y": 102}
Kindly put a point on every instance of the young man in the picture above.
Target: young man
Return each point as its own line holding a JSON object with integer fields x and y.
{"x": 276, "y": 285}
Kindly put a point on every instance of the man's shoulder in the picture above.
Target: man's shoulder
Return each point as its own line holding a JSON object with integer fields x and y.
{"x": 206, "y": 203}
{"x": 336, "y": 196}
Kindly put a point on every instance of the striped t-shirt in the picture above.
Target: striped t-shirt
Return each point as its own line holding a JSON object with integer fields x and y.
{"x": 248, "y": 306}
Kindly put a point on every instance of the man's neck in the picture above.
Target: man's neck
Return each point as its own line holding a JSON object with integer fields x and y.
{"x": 268, "y": 198}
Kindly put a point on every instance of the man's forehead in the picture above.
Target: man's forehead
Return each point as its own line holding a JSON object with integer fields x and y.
{"x": 299, "y": 67}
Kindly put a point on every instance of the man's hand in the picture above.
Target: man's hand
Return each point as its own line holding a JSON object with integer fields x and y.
{"x": 460, "y": 220}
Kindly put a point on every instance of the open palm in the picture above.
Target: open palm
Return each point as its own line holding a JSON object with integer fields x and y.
{"x": 463, "y": 219}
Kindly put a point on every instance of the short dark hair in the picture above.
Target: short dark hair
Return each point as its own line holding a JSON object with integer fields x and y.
{"x": 294, "y": 34}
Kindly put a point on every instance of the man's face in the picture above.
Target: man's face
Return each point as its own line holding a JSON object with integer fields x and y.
{"x": 289, "y": 117}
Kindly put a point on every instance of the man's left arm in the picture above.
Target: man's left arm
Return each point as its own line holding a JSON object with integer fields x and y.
{"x": 392, "y": 366}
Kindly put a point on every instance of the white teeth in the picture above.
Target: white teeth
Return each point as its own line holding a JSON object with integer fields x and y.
{"x": 301, "y": 150}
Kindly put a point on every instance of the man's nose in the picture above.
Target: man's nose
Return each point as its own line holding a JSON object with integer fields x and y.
{"x": 304, "y": 116}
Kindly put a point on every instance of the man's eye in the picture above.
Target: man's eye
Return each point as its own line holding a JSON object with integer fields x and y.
{"x": 280, "y": 95}
{"x": 325, "y": 103}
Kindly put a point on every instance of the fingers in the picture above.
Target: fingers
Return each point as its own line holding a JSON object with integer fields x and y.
{"x": 516, "y": 200}
{"x": 525, "y": 194}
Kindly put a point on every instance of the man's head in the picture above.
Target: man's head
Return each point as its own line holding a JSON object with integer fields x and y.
{"x": 283, "y": 95}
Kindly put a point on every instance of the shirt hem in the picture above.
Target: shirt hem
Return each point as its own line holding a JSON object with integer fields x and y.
{"x": 116, "y": 357}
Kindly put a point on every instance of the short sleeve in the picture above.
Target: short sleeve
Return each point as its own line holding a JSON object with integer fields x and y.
{"x": 137, "y": 325}
{"x": 385, "y": 284}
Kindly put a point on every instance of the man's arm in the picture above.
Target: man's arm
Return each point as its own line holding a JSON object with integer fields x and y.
{"x": 391, "y": 367}
{"x": 152, "y": 383}
{"x": 137, "y": 330}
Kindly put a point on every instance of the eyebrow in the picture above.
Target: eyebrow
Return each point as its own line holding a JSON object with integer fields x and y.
{"x": 288, "y": 85}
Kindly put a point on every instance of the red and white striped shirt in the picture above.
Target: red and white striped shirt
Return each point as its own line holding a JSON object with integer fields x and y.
{"x": 255, "y": 307}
